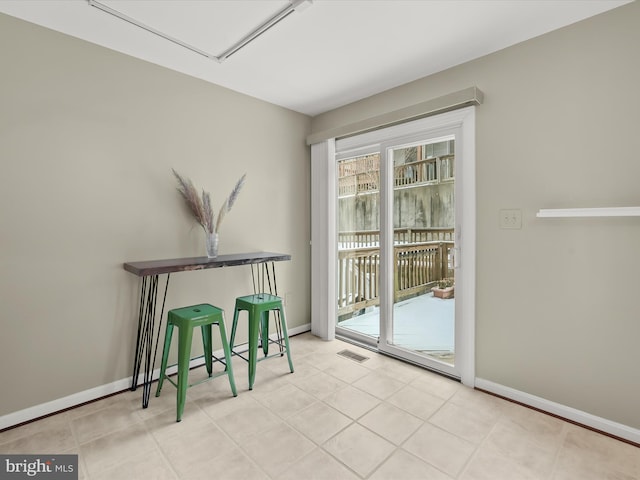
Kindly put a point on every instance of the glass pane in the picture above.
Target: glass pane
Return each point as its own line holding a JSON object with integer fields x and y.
{"x": 423, "y": 222}
{"x": 359, "y": 244}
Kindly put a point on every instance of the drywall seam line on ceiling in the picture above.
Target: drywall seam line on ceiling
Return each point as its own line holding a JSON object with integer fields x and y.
{"x": 251, "y": 36}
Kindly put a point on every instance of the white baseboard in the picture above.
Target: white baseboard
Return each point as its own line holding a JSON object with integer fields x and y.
{"x": 578, "y": 416}
{"x": 95, "y": 393}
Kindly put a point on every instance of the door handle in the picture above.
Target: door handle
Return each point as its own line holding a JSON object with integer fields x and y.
{"x": 455, "y": 257}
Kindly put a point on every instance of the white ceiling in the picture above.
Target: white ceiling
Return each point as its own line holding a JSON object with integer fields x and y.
{"x": 331, "y": 54}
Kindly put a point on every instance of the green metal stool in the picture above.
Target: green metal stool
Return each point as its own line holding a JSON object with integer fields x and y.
{"x": 186, "y": 319}
{"x": 258, "y": 307}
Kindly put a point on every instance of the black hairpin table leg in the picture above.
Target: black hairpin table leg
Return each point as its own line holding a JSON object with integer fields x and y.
{"x": 146, "y": 348}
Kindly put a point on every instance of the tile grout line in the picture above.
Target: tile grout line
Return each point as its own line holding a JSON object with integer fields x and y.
{"x": 243, "y": 450}
{"x": 165, "y": 460}
{"x": 477, "y": 448}
{"x": 556, "y": 457}
{"x": 85, "y": 469}
{"x": 383, "y": 401}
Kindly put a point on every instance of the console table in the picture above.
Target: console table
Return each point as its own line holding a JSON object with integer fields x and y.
{"x": 149, "y": 271}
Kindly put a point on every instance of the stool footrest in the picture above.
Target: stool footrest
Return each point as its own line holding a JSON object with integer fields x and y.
{"x": 259, "y": 359}
{"x": 214, "y": 375}
{"x": 214, "y": 359}
{"x": 280, "y": 343}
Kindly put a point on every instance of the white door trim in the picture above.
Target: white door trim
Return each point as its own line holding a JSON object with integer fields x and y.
{"x": 467, "y": 242}
{"x": 323, "y": 239}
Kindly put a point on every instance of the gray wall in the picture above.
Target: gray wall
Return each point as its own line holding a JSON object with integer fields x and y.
{"x": 88, "y": 138}
{"x": 558, "y": 310}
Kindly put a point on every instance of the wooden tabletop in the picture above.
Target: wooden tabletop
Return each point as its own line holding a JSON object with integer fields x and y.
{"x": 156, "y": 267}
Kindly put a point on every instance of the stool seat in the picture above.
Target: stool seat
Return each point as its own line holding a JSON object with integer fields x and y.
{"x": 186, "y": 319}
{"x": 264, "y": 299}
{"x": 258, "y": 307}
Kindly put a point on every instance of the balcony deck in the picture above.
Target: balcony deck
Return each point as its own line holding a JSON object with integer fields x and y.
{"x": 424, "y": 324}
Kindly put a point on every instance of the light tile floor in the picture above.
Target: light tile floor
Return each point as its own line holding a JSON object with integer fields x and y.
{"x": 332, "y": 419}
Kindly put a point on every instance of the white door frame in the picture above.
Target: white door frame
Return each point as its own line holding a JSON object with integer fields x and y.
{"x": 323, "y": 223}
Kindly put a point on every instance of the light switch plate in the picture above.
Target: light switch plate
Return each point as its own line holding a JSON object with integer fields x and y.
{"x": 511, "y": 218}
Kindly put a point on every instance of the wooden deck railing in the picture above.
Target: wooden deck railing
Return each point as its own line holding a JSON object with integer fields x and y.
{"x": 359, "y": 175}
{"x": 358, "y": 279}
{"x": 417, "y": 268}
{"x": 359, "y": 183}
{"x": 371, "y": 238}
{"x": 362, "y": 175}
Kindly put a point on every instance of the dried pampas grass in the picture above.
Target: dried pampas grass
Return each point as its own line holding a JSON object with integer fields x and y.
{"x": 200, "y": 205}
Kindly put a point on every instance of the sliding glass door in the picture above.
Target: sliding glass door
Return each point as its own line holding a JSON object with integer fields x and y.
{"x": 398, "y": 216}
{"x": 418, "y": 320}
{"x": 358, "y": 230}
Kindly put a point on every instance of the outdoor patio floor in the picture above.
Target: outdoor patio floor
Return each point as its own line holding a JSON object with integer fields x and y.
{"x": 423, "y": 323}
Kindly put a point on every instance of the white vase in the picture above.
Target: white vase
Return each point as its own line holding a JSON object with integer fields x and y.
{"x": 212, "y": 244}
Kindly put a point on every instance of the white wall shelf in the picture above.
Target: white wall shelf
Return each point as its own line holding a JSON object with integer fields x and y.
{"x": 589, "y": 212}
